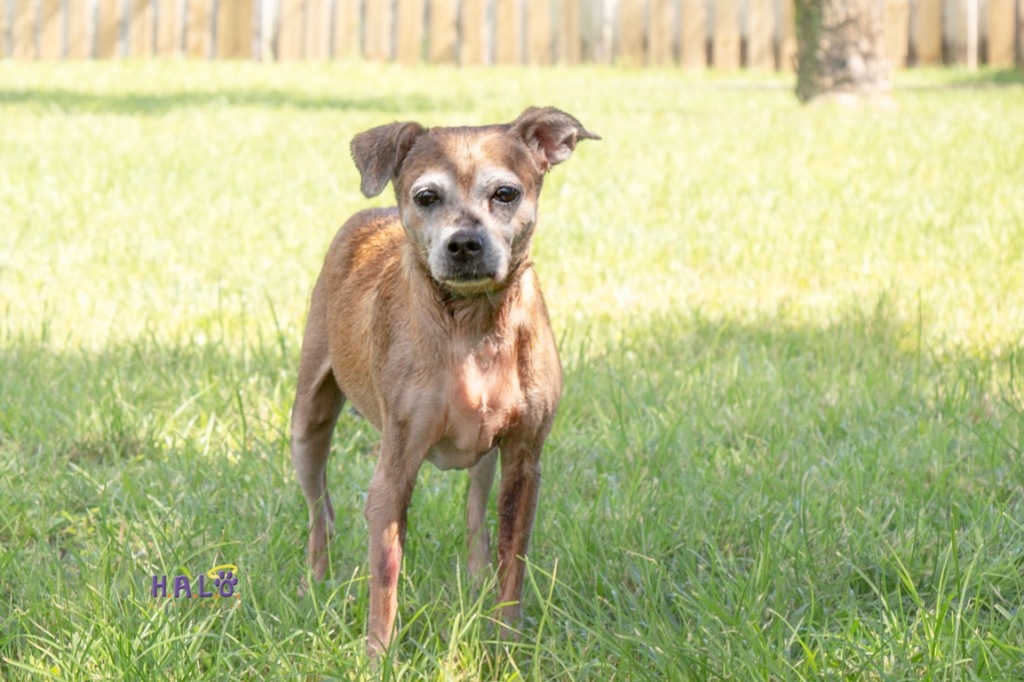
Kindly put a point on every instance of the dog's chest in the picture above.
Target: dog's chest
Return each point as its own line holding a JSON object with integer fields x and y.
{"x": 484, "y": 399}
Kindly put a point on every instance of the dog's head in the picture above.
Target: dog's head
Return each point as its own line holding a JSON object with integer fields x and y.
{"x": 468, "y": 196}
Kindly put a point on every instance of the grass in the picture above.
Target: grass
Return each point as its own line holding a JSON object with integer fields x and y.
{"x": 790, "y": 445}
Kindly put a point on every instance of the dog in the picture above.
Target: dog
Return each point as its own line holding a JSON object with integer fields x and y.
{"x": 428, "y": 317}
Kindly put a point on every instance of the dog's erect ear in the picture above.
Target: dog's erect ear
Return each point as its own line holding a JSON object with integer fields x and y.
{"x": 379, "y": 153}
{"x": 550, "y": 133}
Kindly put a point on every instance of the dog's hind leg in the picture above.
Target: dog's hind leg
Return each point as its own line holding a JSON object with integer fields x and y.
{"x": 318, "y": 401}
{"x": 517, "y": 507}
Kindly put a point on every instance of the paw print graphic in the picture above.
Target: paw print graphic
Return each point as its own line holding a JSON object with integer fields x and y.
{"x": 225, "y": 583}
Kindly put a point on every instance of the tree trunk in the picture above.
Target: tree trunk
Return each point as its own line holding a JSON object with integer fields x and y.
{"x": 840, "y": 48}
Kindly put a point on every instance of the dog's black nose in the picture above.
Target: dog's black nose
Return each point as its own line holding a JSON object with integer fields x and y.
{"x": 465, "y": 245}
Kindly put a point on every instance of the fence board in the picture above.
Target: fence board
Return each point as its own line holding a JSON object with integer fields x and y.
{"x": 473, "y": 33}
{"x": 954, "y": 30}
{"x": 317, "y": 37}
{"x": 168, "y": 28}
{"x": 569, "y": 37}
{"x": 725, "y": 53}
{"x": 1000, "y": 32}
{"x": 140, "y": 29}
{"x": 897, "y": 31}
{"x": 508, "y": 32}
{"x": 108, "y": 26}
{"x": 1020, "y": 33}
{"x": 23, "y": 40}
{"x": 975, "y": 28}
{"x": 632, "y": 26}
{"x": 291, "y": 31}
{"x": 377, "y": 31}
{"x": 927, "y": 31}
{"x": 693, "y": 22}
{"x": 51, "y": 30}
{"x": 345, "y": 37}
{"x": 79, "y": 35}
{"x": 409, "y": 32}
{"x": 592, "y": 48}
{"x": 660, "y": 23}
{"x": 787, "y": 37}
{"x": 197, "y": 30}
{"x": 443, "y": 32}
{"x": 234, "y": 30}
{"x": 4, "y": 47}
{"x": 539, "y": 38}
{"x": 761, "y": 34}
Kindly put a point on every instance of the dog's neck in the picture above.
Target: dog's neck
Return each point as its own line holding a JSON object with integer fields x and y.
{"x": 481, "y": 315}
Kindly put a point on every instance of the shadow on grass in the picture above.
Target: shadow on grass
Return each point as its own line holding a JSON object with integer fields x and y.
{"x": 959, "y": 79}
{"x": 991, "y": 77}
{"x": 118, "y": 402}
{"x": 721, "y": 497}
{"x": 140, "y": 103}
{"x": 774, "y": 487}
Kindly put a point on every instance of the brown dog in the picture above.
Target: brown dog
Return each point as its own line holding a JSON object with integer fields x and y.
{"x": 429, "y": 318}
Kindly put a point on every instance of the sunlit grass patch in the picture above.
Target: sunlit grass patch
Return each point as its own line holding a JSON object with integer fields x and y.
{"x": 791, "y": 436}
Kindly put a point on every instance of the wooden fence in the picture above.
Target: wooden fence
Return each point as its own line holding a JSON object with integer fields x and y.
{"x": 722, "y": 34}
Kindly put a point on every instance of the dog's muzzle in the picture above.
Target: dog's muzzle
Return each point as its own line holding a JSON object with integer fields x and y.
{"x": 469, "y": 264}
{"x": 465, "y": 247}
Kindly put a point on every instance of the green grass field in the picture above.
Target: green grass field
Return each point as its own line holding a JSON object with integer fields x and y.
{"x": 790, "y": 445}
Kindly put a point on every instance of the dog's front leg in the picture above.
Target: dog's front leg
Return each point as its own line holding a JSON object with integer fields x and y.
{"x": 478, "y": 543}
{"x": 517, "y": 505}
{"x": 386, "y": 505}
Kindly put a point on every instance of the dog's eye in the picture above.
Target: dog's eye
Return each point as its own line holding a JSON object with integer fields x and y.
{"x": 506, "y": 194}
{"x": 426, "y": 197}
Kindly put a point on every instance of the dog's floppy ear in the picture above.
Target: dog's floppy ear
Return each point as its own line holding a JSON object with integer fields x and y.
{"x": 379, "y": 153}
{"x": 550, "y": 133}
